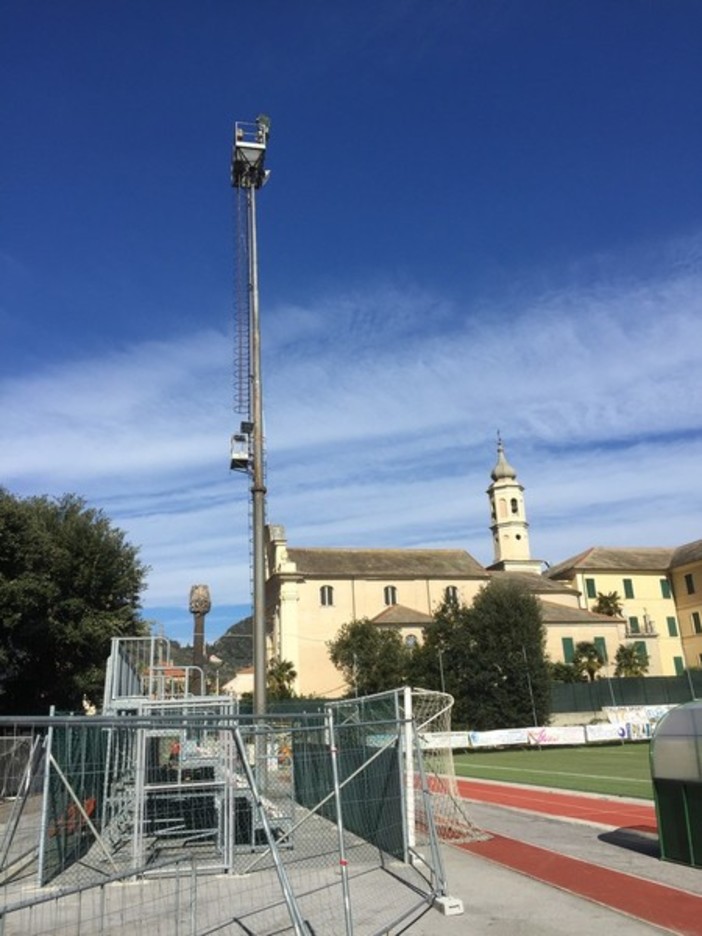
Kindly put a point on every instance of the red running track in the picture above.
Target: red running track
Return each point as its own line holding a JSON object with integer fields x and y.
{"x": 609, "y": 812}
{"x": 658, "y": 904}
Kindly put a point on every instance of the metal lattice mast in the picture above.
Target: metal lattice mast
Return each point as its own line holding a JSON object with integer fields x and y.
{"x": 248, "y": 175}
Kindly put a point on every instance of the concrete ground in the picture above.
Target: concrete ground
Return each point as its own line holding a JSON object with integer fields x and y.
{"x": 501, "y": 902}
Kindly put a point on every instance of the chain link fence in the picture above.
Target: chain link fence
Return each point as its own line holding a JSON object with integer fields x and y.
{"x": 193, "y": 821}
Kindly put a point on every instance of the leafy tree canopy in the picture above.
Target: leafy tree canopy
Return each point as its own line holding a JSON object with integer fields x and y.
{"x": 370, "y": 658}
{"x": 492, "y": 658}
{"x": 565, "y": 673}
{"x": 629, "y": 661}
{"x": 280, "y": 679}
{"x": 68, "y": 583}
{"x": 609, "y": 604}
{"x": 587, "y": 659}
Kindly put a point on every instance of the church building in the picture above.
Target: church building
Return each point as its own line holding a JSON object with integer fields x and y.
{"x": 312, "y": 592}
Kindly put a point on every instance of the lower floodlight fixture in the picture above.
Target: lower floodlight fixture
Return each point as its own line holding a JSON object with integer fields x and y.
{"x": 239, "y": 454}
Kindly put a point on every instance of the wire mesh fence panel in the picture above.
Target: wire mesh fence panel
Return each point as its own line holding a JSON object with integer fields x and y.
{"x": 192, "y": 820}
{"x": 429, "y": 714}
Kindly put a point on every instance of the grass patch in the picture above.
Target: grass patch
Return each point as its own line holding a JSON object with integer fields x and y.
{"x": 618, "y": 769}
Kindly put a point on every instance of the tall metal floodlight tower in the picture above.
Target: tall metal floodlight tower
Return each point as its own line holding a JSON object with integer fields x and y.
{"x": 248, "y": 175}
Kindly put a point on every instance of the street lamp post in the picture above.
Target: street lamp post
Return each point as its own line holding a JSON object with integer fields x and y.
{"x": 441, "y": 669}
{"x": 531, "y": 688}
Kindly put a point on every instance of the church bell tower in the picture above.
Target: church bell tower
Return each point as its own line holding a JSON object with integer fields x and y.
{"x": 509, "y": 527}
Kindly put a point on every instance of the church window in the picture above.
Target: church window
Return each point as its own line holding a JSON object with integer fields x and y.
{"x": 690, "y": 583}
{"x": 326, "y": 596}
{"x": 451, "y": 593}
{"x": 628, "y": 588}
{"x": 514, "y": 505}
{"x": 390, "y": 595}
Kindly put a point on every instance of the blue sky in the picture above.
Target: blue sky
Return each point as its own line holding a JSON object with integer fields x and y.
{"x": 481, "y": 216}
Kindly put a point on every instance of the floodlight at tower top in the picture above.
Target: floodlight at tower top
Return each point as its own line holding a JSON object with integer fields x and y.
{"x": 249, "y": 152}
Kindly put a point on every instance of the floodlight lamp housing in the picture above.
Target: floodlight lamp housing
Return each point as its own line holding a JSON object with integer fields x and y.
{"x": 249, "y": 153}
{"x": 240, "y": 456}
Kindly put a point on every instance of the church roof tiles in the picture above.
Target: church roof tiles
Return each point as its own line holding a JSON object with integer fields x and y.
{"x": 386, "y": 563}
{"x": 625, "y": 559}
{"x": 689, "y": 552}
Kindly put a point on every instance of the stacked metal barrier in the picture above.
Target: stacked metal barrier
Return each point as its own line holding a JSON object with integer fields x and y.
{"x": 165, "y": 820}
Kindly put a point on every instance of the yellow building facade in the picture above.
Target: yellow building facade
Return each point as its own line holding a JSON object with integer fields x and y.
{"x": 686, "y": 583}
{"x": 639, "y": 577}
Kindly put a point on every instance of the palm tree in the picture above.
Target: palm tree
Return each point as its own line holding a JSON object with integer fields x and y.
{"x": 587, "y": 659}
{"x": 630, "y": 661}
{"x": 564, "y": 672}
{"x": 280, "y": 678}
{"x": 609, "y": 604}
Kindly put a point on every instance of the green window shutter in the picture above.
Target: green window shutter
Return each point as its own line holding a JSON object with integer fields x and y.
{"x": 641, "y": 650}
{"x": 634, "y": 625}
{"x": 679, "y": 666}
{"x": 672, "y": 627}
{"x": 568, "y": 649}
{"x": 590, "y": 588}
{"x": 628, "y": 588}
{"x": 665, "y": 588}
{"x": 696, "y": 623}
{"x": 601, "y": 645}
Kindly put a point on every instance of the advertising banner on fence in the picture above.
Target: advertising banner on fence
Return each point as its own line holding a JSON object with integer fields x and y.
{"x": 637, "y": 731}
{"x": 611, "y": 731}
{"x": 503, "y": 738}
{"x": 636, "y": 714}
{"x": 568, "y": 734}
{"x": 433, "y": 740}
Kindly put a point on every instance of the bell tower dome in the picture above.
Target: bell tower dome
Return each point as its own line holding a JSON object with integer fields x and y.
{"x": 509, "y": 527}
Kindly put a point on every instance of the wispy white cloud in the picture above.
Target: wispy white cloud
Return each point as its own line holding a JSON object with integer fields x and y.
{"x": 382, "y": 408}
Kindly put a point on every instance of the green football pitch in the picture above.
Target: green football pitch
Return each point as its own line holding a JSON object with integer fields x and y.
{"x": 617, "y": 769}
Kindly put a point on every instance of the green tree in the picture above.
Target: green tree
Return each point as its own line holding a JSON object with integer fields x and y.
{"x": 492, "y": 656}
{"x": 280, "y": 679}
{"x": 587, "y": 659}
{"x": 609, "y": 604}
{"x": 630, "y": 661}
{"x": 370, "y": 658}
{"x": 507, "y": 625}
{"x": 565, "y": 673}
{"x": 68, "y": 583}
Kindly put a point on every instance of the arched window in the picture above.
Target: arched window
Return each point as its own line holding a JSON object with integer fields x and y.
{"x": 326, "y": 596}
{"x": 502, "y": 507}
{"x": 451, "y": 593}
{"x": 411, "y": 641}
{"x": 514, "y": 505}
{"x": 390, "y": 595}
